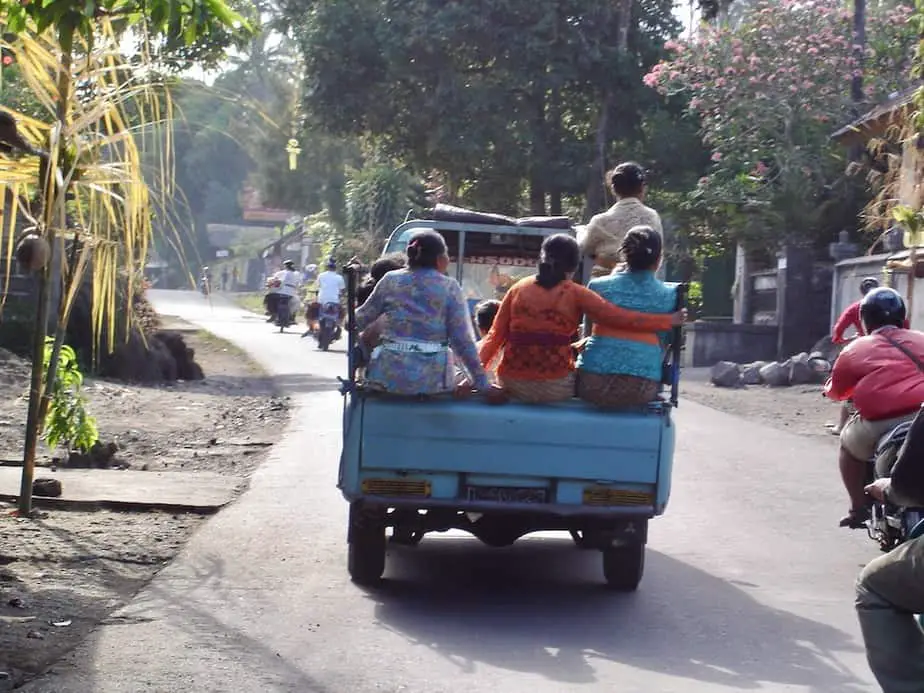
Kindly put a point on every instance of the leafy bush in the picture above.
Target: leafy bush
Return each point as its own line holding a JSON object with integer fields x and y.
{"x": 67, "y": 422}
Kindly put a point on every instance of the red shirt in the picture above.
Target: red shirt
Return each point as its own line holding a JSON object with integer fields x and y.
{"x": 880, "y": 379}
{"x": 851, "y": 318}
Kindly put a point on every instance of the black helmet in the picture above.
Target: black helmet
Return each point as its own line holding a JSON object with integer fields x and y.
{"x": 881, "y": 307}
{"x": 288, "y": 264}
{"x": 868, "y": 284}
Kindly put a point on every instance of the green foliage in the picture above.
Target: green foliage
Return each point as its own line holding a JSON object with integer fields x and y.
{"x": 67, "y": 422}
{"x": 498, "y": 97}
{"x": 695, "y": 299}
{"x": 379, "y": 197}
{"x": 199, "y": 30}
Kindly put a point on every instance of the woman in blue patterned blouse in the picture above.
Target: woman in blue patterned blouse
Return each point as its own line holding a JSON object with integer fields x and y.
{"x": 618, "y": 368}
{"x": 425, "y": 316}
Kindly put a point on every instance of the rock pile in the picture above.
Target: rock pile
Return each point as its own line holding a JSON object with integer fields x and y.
{"x": 801, "y": 369}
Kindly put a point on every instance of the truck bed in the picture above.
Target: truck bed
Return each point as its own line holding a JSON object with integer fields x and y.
{"x": 577, "y": 453}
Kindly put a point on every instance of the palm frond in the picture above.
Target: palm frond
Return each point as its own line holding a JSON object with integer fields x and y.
{"x": 102, "y": 202}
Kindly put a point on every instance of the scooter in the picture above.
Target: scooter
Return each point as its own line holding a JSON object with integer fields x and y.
{"x": 328, "y": 325}
{"x": 891, "y": 525}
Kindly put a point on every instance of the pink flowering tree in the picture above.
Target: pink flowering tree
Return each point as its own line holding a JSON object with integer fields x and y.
{"x": 768, "y": 93}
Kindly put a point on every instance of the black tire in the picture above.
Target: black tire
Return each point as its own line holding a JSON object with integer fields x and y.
{"x": 580, "y": 539}
{"x": 623, "y": 567}
{"x": 366, "y": 552}
{"x": 324, "y": 337}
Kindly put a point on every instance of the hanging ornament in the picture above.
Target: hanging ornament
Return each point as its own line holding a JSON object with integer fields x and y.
{"x": 294, "y": 150}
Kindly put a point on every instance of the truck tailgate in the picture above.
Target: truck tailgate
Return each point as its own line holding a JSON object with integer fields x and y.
{"x": 568, "y": 440}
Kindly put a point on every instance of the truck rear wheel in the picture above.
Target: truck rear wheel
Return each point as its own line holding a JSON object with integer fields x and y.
{"x": 623, "y": 566}
{"x": 366, "y": 551}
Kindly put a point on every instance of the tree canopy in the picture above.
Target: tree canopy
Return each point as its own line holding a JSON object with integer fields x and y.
{"x": 767, "y": 94}
{"x": 499, "y": 97}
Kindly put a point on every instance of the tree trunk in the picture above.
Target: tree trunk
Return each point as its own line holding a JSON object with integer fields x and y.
{"x": 596, "y": 186}
{"x": 536, "y": 195}
{"x": 539, "y": 158}
{"x": 54, "y": 211}
{"x": 555, "y": 202}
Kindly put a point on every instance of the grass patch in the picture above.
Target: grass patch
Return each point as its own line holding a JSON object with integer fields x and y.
{"x": 208, "y": 339}
{"x": 250, "y": 301}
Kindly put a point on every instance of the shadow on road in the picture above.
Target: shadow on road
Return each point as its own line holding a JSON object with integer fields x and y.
{"x": 541, "y": 607}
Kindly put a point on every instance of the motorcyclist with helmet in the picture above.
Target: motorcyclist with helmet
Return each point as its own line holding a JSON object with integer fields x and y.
{"x": 283, "y": 285}
{"x": 331, "y": 288}
{"x": 882, "y": 372}
{"x": 850, "y": 318}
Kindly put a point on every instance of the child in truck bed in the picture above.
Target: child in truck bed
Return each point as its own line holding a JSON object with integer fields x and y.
{"x": 485, "y": 312}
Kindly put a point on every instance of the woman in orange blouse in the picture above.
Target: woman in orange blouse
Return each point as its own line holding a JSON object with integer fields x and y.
{"x": 539, "y": 318}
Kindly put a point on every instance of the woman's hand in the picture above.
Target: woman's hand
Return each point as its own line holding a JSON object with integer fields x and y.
{"x": 580, "y": 345}
{"x": 678, "y": 318}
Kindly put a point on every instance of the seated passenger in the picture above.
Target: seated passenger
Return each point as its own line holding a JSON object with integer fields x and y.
{"x": 618, "y": 368}
{"x": 603, "y": 235}
{"x": 370, "y": 336}
{"x": 485, "y": 312}
{"x": 426, "y": 315}
{"x": 538, "y": 319}
{"x": 379, "y": 268}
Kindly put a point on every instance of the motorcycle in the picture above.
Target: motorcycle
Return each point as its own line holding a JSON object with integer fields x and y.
{"x": 283, "y": 314}
{"x": 891, "y": 525}
{"x": 328, "y": 325}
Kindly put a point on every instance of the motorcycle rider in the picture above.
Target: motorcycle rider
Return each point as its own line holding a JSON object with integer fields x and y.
{"x": 331, "y": 286}
{"x": 289, "y": 280}
{"x": 850, "y": 318}
{"x": 883, "y": 373}
{"x": 205, "y": 280}
{"x": 890, "y": 590}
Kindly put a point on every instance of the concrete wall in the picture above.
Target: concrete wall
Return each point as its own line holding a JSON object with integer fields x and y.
{"x": 848, "y": 274}
{"x": 708, "y": 342}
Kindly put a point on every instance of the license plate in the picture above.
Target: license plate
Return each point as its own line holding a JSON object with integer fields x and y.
{"x": 506, "y": 494}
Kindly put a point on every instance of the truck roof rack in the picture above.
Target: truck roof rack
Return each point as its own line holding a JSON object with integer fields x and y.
{"x": 450, "y": 213}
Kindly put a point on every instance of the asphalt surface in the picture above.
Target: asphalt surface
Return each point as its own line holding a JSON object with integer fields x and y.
{"x": 748, "y": 585}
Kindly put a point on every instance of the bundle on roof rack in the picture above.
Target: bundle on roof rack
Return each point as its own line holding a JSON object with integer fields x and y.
{"x": 442, "y": 212}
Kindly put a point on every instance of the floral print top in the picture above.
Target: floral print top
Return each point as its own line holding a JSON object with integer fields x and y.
{"x": 535, "y": 327}
{"x": 610, "y": 353}
{"x": 422, "y": 305}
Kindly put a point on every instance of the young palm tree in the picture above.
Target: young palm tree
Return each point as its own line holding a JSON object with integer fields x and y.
{"x": 75, "y": 176}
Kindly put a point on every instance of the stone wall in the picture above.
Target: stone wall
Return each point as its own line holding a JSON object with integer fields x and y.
{"x": 709, "y": 342}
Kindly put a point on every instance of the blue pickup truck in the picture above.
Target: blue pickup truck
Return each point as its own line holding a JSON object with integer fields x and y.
{"x": 415, "y": 466}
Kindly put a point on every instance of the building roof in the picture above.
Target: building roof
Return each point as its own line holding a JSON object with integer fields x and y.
{"x": 878, "y": 119}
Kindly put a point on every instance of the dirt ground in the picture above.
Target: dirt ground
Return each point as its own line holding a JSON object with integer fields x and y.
{"x": 63, "y": 572}
{"x": 799, "y": 409}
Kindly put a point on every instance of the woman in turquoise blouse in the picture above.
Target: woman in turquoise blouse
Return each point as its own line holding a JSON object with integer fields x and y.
{"x": 624, "y": 368}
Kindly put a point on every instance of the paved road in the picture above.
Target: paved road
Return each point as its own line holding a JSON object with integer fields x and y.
{"x": 748, "y": 584}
